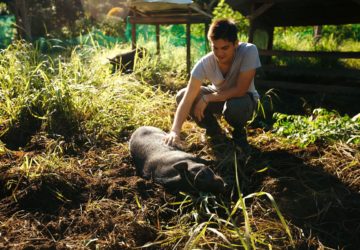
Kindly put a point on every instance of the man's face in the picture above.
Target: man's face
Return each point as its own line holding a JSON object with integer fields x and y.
{"x": 223, "y": 50}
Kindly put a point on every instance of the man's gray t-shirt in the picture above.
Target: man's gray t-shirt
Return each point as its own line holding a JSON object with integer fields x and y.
{"x": 246, "y": 58}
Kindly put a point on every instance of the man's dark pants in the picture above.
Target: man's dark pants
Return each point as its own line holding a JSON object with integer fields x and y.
{"x": 236, "y": 111}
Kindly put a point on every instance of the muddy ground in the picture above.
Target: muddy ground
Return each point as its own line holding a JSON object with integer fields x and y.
{"x": 93, "y": 199}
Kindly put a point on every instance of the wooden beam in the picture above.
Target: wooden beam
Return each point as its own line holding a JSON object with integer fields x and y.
{"x": 327, "y": 74}
{"x": 259, "y": 11}
{"x": 194, "y": 7}
{"x": 169, "y": 20}
{"x": 334, "y": 89}
{"x": 240, "y": 2}
{"x": 332, "y": 54}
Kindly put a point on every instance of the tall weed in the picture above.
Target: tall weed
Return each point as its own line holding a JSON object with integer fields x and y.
{"x": 75, "y": 97}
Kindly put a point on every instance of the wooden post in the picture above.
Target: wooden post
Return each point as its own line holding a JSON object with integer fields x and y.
{"x": 317, "y": 33}
{"x": 269, "y": 46}
{"x": 206, "y": 39}
{"x": 252, "y": 25}
{"x": 158, "y": 39}
{"x": 270, "y": 32}
{"x": 188, "y": 44}
{"x": 133, "y": 35}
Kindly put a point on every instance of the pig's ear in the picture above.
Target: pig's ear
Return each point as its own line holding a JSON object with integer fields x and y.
{"x": 181, "y": 166}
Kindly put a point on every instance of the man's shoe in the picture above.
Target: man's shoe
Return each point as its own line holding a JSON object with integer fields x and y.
{"x": 213, "y": 131}
{"x": 214, "y": 138}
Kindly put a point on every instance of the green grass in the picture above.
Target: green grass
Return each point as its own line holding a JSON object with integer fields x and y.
{"x": 322, "y": 126}
{"x": 76, "y": 97}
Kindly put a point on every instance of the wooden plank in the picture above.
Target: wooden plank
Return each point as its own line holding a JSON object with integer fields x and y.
{"x": 196, "y": 8}
{"x": 334, "y": 89}
{"x": 325, "y": 73}
{"x": 169, "y": 20}
{"x": 332, "y": 54}
{"x": 242, "y": 2}
{"x": 259, "y": 11}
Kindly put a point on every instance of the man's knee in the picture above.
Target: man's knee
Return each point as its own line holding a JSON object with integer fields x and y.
{"x": 180, "y": 95}
{"x": 238, "y": 111}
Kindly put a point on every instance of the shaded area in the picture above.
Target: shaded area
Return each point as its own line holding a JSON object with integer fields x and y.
{"x": 315, "y": 188}
{"x": 313, "y": 199}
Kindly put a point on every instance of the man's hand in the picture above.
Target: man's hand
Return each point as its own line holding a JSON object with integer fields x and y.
{"x": 200, "y": 108}
{"x": 172, "y": 139}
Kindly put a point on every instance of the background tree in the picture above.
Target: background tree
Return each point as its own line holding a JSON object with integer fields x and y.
{"x": 39, "y": 18}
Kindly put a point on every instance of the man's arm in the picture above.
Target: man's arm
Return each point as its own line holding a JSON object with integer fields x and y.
{"x": 242, "y": 85}
{"x": 183, "y": 110}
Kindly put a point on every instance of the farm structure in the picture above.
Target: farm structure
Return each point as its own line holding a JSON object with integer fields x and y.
{"x": 165, "y": 13}
{"x": 265, "y": 15}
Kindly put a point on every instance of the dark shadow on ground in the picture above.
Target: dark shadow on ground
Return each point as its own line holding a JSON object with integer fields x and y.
{"x": 309, "y": 197}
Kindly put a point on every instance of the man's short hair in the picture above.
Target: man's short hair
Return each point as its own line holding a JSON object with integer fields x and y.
{"x": 223, "y": 29}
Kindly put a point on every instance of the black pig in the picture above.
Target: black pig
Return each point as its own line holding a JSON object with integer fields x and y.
{"x": 174, "y": 169}
{"x": 125, "y": 61}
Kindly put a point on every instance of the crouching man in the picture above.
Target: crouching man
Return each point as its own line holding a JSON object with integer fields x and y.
{"x": 230, "y": 67}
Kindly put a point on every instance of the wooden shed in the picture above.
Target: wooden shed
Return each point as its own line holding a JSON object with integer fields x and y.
{"x": 165, "y": 12}
{"x": 265, "y": 15}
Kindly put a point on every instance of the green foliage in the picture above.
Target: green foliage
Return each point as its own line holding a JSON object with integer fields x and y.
{"x": 339, "y": 32}
{"x": 321, "y": 126}
{"x": 122, "y": 106}
{"x": 7, "y": 30}
{"x": 301, "y": 38}
{"x": 76, "y": 97}
{"x": 3, "y": 9}
{"x": 223, "y": 10}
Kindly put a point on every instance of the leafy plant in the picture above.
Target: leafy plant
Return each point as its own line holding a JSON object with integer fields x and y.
{"x": 322, "y": 126}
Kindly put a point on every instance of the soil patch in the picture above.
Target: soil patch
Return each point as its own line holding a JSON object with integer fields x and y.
{"x": 97, "y": 201}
